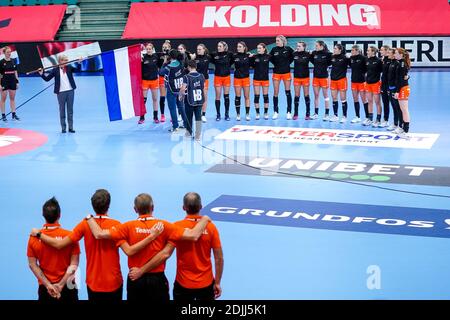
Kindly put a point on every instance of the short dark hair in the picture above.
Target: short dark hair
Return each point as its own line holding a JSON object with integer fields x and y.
{"x": 51, "y": 211}
{"x": 100, "y": 201}
{"x": 174, "y": 54}
{"x": 143, "y": 203}
{"x": 192, "y": 203}
{"x": 192, "y": 64}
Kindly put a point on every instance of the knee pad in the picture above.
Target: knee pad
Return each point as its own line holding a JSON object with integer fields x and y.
{"x": 266, "y": 98}
{"x": 237, "y": 101}
{"x": 256, "y": 99}
{"x": 288, "y": 93}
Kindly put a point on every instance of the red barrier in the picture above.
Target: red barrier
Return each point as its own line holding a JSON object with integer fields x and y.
{"x": 31, "y": 23}
{"x": 291, "y": 18}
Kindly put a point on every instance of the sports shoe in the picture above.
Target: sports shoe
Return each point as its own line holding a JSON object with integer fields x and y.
{"x": 218, "y": 117}
{"x": 266, "y": 116}
{"x": 334, "y": 118}
{"x": 308, "y": 118}
{"x": 343, "y": 119}
{"x": 15, "y": 117}
{"x": 257, "y": 116}
{"x": 227, "y": 117}
{"x": 163, "y": 118}
{"x": 174, "y": 130}
{"x": 141, "y": 121}
{"x": 295, "y": 117}
{"x": 275, "y": 116}
{"x": 315, "y": 116}
{"x": 204, "y": 119}
{"x": 383, "y": 124}
{"x": 247, "y": 117}
{"x": 367, "y": 122}
{"x": 4, "y": 119}
{"x": 398, "y": 130}
{"x": 238, "y": 117}
{"x": 375, "y": 124}
{"x": 403, "y": 135}
{"x": 156, "y": 120}
{"x": 392, "y": 127}
{"x": 71, "y": 131}
{"x": 288, "y": 116}
{"x": 326, "y": 118}
{"x": 356, "y": 120}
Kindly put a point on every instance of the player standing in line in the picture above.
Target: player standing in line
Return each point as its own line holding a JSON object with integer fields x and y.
{"x": 260, "y": 63}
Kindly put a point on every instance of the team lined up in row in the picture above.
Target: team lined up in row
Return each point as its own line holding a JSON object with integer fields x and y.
{"x": 372, "y": 80}
{"x": 53, "y": 253}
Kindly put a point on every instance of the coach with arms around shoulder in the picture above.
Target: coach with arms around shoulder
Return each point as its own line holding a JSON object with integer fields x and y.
{"x": 64, "y": 89}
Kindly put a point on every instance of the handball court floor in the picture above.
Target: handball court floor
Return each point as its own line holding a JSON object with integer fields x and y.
{"x": 261, "y": 261}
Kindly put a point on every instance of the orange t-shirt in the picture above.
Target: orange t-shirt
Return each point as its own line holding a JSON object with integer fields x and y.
{"x": 136, "y": 230}
{"x": 103, "y": 272}
{"x": 53, "y": 262}
{"x": 194, "y": 268}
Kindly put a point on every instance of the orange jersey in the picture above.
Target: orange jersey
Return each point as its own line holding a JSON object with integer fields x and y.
{"x": 53, "y": 262}
{"x": 301, "y": 81}
{"x": 136, "y": 230}
{"x": 103, "y": 272}
{"x": 194, "y": 267}
{"x": 340, "y": 84}
{"x": 281, "y": 76}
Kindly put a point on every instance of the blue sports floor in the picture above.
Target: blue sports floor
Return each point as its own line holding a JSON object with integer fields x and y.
{"x": 261, "y": 261}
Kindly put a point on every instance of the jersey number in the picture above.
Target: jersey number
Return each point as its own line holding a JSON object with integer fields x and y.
{"x": 178, "y": 83}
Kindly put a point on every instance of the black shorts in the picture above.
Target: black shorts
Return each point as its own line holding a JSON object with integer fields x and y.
{"x": 151, "y": 287}
{"x": 112, "y": 296}
{"x": 182, "y": 294}
{"x": 9, "y": 84}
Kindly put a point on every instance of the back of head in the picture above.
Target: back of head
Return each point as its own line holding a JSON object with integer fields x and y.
{"x": 100, "y": 201}
{"x": 192, "y": 203}
{"x": 143, "y": 204}
{"x": 192, "y": 64}
{"x": 174, "y": 54}
{"x": 51, "y": 210}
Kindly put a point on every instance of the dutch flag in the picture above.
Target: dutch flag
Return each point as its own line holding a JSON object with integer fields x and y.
{"x": 122, "y": 74}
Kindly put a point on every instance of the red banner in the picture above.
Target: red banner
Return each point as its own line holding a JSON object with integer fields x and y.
{"x": 31, "y": 23}
{"x": 291, "y": 18}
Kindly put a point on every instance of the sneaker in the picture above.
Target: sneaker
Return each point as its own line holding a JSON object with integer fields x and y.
{"x": 375, "y": 124}
{"x": 356, "y": 120}
{"x": 334, "y": 118}
{"x": 315, "y": 116}
{"x": 266, "y": 116}
{"x": 247, "y": 117}
{"x": 15, "y": 117}
{"x": 398, "y": 130}
{"x": 403, "y": 135}
{"x": 257, "y": 116}
{"x": 4, "y": 119}
{"x": 141, "y": 121}
{"x": 275, "y": 116}
{"x": 238, "y": 117}
{"x": 63, "y": 131}
{"x": 326, "y": 118}
{"x": 156, "y": 120}
{"x": 392, "y": 127}
{"x": 383, "y": 124}
{"x": 227, "y": 117}
{"x": 204, "y": 119}
{"x": 308, "y": 118}
{"x": 71, "y": 131}
{"x": 218, "y": 117}
{"x": 174, "y": 130}
{"x": 163, "y": 118}
{"x": 343, "y": 119}
{"x": 288, "y": 116}
{"x": 367, "y": 122}
{"x": 295, "y": 117}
